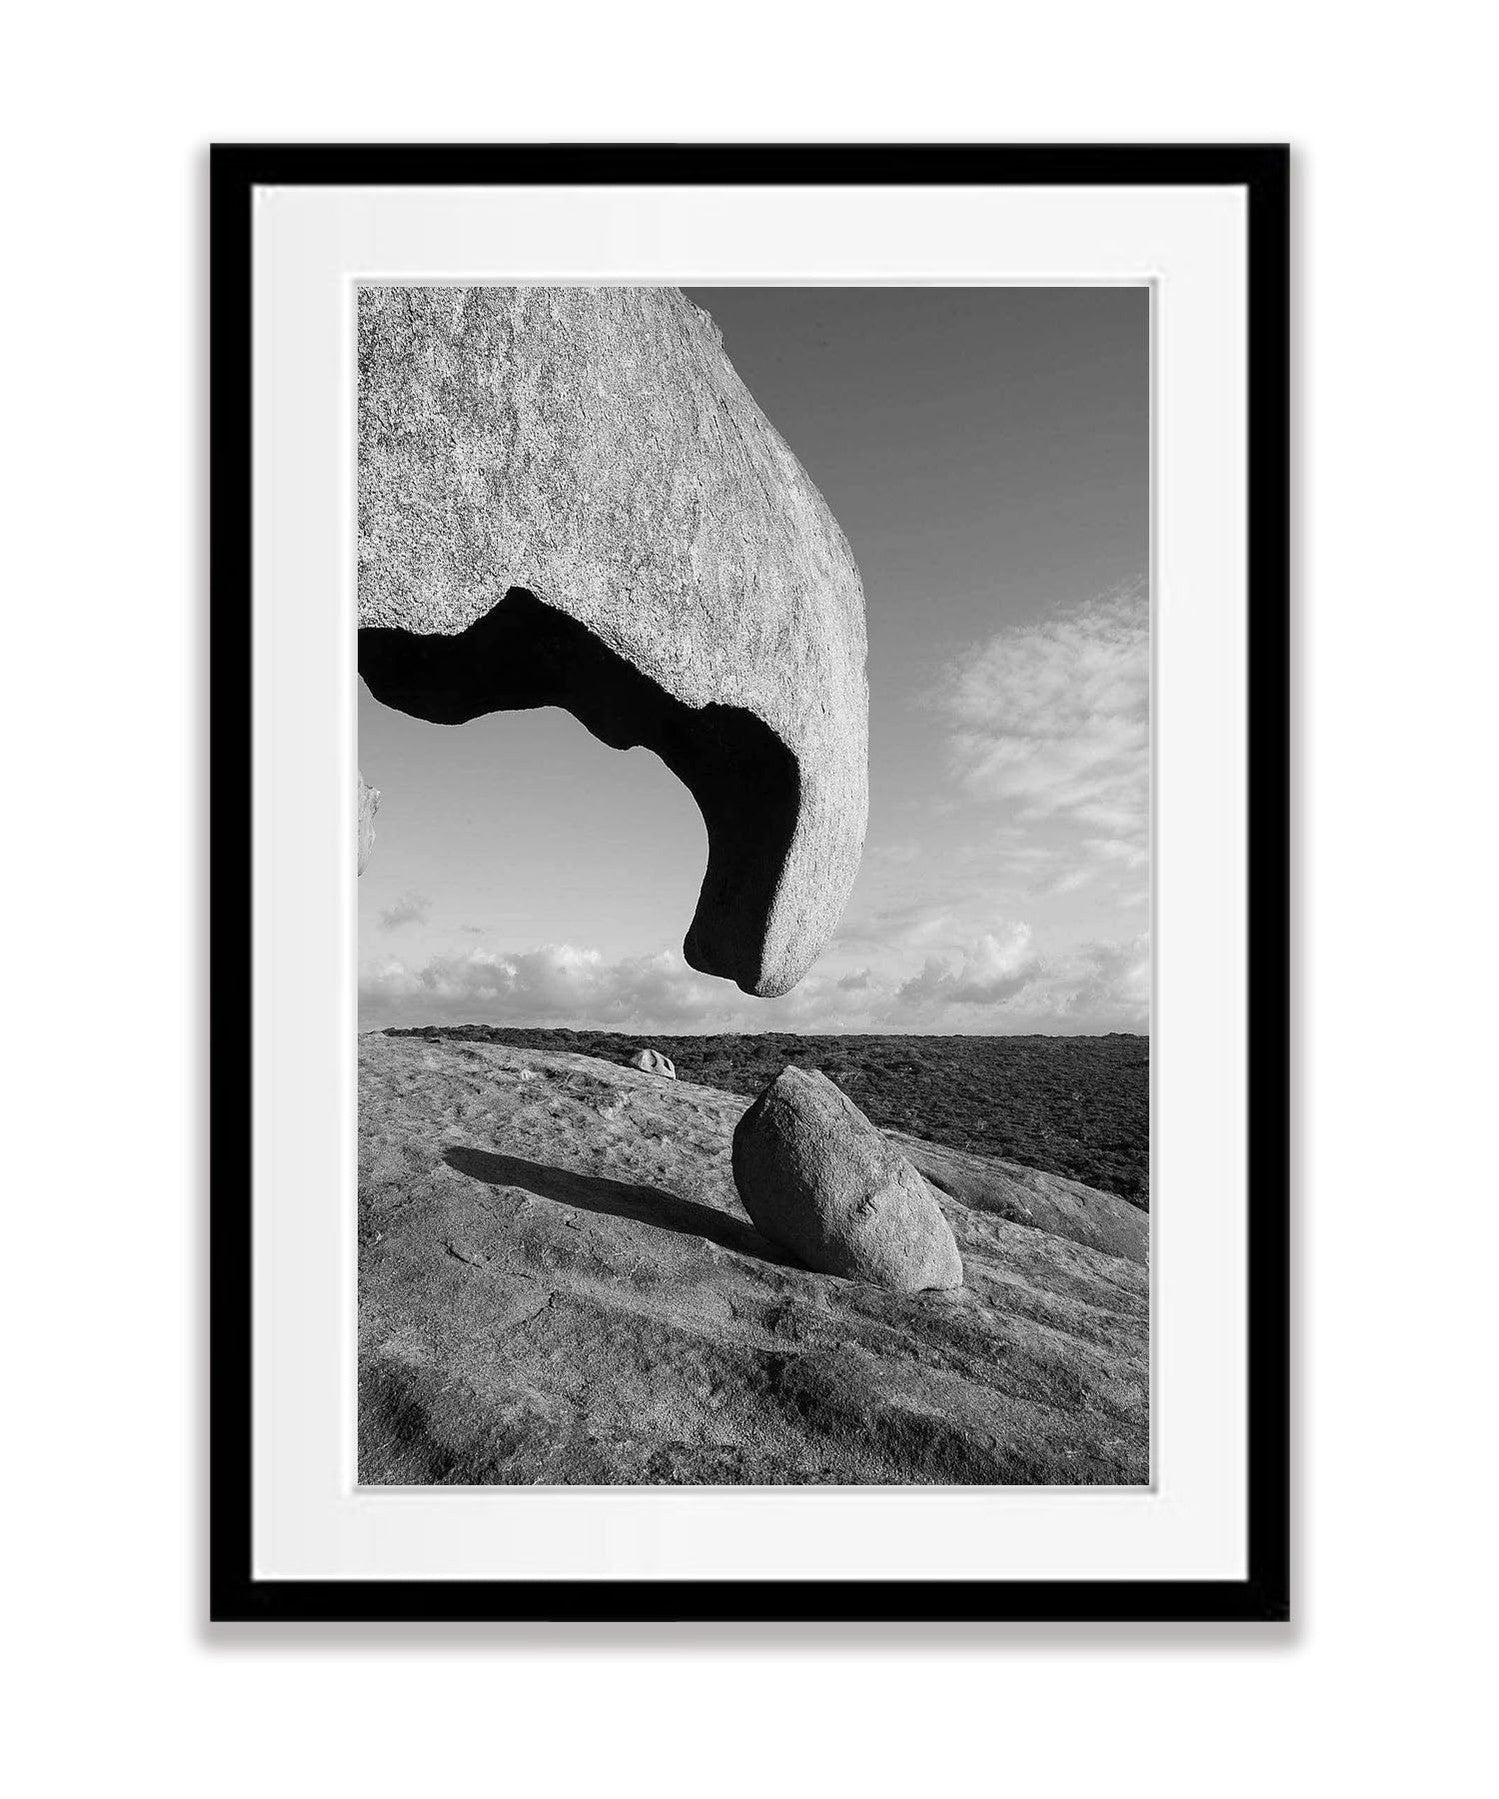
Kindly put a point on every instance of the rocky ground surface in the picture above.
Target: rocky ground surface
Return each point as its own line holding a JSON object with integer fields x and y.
{"x": 1078, "y": 1106}
{"x": 558, "y": 1284}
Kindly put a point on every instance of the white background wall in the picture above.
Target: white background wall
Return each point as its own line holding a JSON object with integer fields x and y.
{"x": 1383, "y": 1683}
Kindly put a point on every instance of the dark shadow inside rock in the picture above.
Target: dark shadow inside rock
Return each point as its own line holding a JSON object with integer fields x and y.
{"x": 524, "y": 653}
{"x": 620, "y": 1199}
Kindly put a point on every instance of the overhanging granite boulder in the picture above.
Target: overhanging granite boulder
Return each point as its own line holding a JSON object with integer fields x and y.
{"x": 568, "y": 497}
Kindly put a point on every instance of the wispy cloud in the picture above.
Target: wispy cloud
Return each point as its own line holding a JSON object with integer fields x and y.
{"x": 410, "y": 908}
{"x": 1053, "y": 720}
{"x": 906, "y": 926}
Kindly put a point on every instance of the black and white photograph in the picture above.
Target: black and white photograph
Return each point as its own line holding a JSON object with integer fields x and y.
{"x": 738, "y": 746}
{"x": 754, "y": 895}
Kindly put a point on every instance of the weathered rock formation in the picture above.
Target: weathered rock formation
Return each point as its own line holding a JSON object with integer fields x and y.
{"x": 366, "y": 805}
{"x": 653, "y": 1062}
{"x": 820, "y": 1180}
{"x": 568, "y": 498}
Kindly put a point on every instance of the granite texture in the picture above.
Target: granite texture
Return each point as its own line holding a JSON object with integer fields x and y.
{"x": 575, "y": 483}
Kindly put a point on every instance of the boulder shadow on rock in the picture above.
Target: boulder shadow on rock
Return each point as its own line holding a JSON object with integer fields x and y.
{"x": 632, "y": 1200}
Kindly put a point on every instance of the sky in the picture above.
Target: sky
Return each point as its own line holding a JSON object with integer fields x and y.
{"x": 986, "y": 453}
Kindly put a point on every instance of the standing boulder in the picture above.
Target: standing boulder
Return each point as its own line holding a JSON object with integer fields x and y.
{"x": 653, "y": 1062}
{"x": 818, "y": 1179}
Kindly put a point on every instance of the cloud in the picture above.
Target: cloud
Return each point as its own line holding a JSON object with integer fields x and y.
{"x": 410, "y": 908}
{"x": 996, "y": 983}
{"x": 553, "y": 984}
{"x": 905, "y": 926}
{"x": 994, "y": 969}
{"x": 1106, "y": 980}
{"x": 1053, "y": 720}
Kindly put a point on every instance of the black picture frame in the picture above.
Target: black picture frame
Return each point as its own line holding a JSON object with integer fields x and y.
{"x": 1262, "y": 171}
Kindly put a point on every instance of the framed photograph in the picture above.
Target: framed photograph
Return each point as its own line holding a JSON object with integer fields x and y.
{"x": 749, "y": 883}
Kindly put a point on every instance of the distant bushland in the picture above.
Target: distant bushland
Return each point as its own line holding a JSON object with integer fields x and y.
{"x": 1076, "y": 1106}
